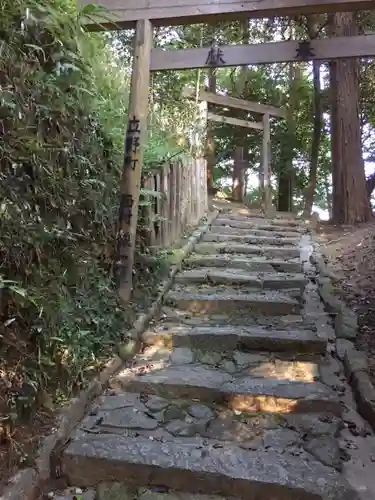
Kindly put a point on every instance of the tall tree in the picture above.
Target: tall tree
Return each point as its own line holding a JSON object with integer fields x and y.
{"x": 286, "y": 172}
{"x": 350, "y": 199}
{"x": 238, "y": 176}
{"x": 313, "y": 31}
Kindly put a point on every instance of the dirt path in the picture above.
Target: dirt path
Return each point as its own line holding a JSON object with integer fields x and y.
{"x": 236, "y": 393}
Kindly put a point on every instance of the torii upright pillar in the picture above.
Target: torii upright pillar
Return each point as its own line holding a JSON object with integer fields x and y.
{"x": 133, "y": 156}
{"x": 265, "y": 176}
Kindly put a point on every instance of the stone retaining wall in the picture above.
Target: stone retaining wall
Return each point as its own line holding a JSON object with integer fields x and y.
{"x": 346, "y": 326}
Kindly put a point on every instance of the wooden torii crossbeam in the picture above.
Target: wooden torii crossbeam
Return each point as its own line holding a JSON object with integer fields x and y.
{"x": 234, "y": 102}
{"x": 264, "y": 53}
{"x": 125, "y": 13}
{"x": 263, "y": 109}
{"x": 234, "y": 121}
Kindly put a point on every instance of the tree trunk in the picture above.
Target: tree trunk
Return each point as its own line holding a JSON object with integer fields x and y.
{"x": 286, "y": 174}
{"x": 329, "y": 198}
{"x": 285, "y": 192}
{"x": 210, "y": 145}
{"x": 350, "y": 199}
{"x": 239, "y": 170}
{"x": 315, "y": 143}
{"x": 238, "y": 177}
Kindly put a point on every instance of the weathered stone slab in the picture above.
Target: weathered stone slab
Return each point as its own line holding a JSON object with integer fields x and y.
{"x": 346, "y": 324}
{"x": 364, "y": 393}
{"x": 342, "y": 346}
{"x": 251, "y": 264}
{"x": 73, "y": 494}
{"x": 231, "y": 276}
{"x": 281, "y": 281}
{"x": 230, "y": 338}
{"x": 274, "y": 395}
{"x": 250, "y": 239}
{"x": 182, "y": 356}
{"x": 354, "y": 361}
{"x": 200, "y": 467}
{"x": 275, "y": 226}
{"x": 108, "y": 491}
{"x": 214, "y": 300}
{"x": 281, "y": 369}
{"x": 254, "y": 231}
{"x": 281, "y": 221}
{"x": 325, "y": 449}
{"x": 192, "y": 381}
{"x": 251, "y": 225}
{"x": 245, "y": 249}
{"x": 242, "y": 216}
{"x": 114, "y": 491}
{"x": 241, "y": 392}
{"x": 315, "y": 425}
{"x": 130, "y": 418}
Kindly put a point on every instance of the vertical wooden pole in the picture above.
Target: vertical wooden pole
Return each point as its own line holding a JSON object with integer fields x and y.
{"x": 149, "y": 184}
{"x": 158, "y": 212}
{"x": 266, "y": 165}
{"x": 178, "y": 199}
{"x": 261, "y": 171}
{"x": 210, "y": 145}
{"x": 169, "y": 211}
{"x": 204, "y": 186}
{"x": 164, "y": 204}
{"x": 133, "y": 156}
{"x": 172, "y": 203}
{"x": 197, "y": 186}
{"x": 182, "y": 195}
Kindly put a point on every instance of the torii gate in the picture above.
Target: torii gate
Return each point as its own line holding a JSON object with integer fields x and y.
{"x": 144, "y": 14}
{"x": 265, "y": 111}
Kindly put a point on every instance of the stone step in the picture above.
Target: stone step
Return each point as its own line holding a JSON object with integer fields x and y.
{"x": 232, "y": 338}
{"x": 214, "y": 299}
{"x": 108, "y": 491}
{"x": 173, "y": 315}
{"x": 250, "y": 264}
{"x": 245, "y": 249}
{"x": 261, "y": 281}
{"x": 265, "y": 226}
{"x": 278, "y": 221}
{"x": 254, "y": 231}
{"x": 238, "y": 363}
{"x": 251, "y": 239}
{"x": 148, "y": 442}
{"x": 257, "y": 388}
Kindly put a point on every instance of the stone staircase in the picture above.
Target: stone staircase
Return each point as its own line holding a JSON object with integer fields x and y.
{"x": 227, "y": 397}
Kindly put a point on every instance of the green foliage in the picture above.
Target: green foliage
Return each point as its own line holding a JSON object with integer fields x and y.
{"x": 62, "y": 107}
{"x": 63, "y": 101}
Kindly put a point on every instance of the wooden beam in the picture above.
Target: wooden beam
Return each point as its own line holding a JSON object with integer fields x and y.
{"x": 233, "y": 102}
{"x": 264, "y": 53}
{"x": 133, "y": 156}
{"x": 125, "y": 13}
{"x": 234, "y": 121}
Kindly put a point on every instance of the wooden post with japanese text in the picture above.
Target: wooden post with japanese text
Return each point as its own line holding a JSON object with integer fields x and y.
{"x": 133, "y": 156}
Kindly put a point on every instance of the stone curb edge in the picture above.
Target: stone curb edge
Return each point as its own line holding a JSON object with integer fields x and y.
{"x": 27, "y": 483}
{"x": 346, "y": 327}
